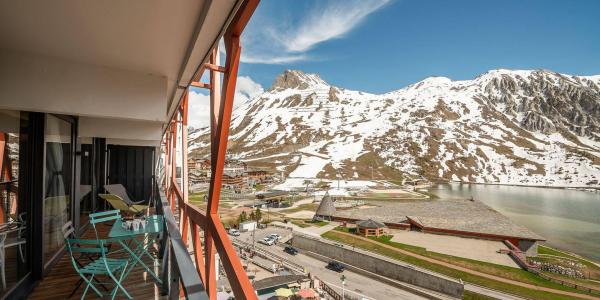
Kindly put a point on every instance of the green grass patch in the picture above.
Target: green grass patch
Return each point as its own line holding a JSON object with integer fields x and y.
{"x": 474, "y": 296}
{"x": 308, "y": 223}
{"x": 197, "y": 197}
{"x": 301, "y": 207}
{"x": 319, "y": 223}
{"x": 299, "y": 223}
{"x": 511, "y": 273}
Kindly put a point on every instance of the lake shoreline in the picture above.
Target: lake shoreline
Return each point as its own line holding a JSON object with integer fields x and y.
{"x": 564, "y": 216}
{"x": 578, "y": 188}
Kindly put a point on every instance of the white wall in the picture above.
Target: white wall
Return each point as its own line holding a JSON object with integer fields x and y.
{"x": 44, "y": 84}
{"x": 119, "y": 129}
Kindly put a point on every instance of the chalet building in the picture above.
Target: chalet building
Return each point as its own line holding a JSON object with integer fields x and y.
{"x": 198, "y": 164}
{"x": 233, "y": 181}
{"x": 273, "y": 198}
{"x": 235, "y": 166}
{"x": 254, "y": 177}
{"x": 368, "y": 228}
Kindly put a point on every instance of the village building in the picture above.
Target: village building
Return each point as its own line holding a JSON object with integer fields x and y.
{"x": 326, "y": 210}
{"x": 255, "y": 177}
{"x": 370, "y": 227}
{"x": 273, "y": 198}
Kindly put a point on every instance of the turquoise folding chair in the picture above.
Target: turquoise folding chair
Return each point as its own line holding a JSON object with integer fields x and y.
{"x": 113, "y": 268}
{"x": 104, "y": 216}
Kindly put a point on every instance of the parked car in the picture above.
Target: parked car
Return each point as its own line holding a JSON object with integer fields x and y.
{"x": 274, "y": 236}
{"x": 290, "y": 250}
{"x": 267, "y": 241}
{"x": 234, "y": 232}
{"x": 335, "y": 266}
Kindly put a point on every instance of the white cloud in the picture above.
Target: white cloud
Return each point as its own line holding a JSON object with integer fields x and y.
{"x": 246, "y": 89}
{"x": 199, "y": 109}
{"x": 272, "y": 41}
{"x": 274, "y": 60}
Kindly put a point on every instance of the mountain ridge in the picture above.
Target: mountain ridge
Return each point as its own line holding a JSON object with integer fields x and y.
{"x": 533, "y": 127}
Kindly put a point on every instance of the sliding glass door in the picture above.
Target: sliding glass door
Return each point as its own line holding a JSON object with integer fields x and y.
{"x": 14, "y": 237}
{"x": 58, "y": 179}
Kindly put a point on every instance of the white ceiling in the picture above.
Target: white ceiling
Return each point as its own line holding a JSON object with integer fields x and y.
{"x": 158, "y": 37}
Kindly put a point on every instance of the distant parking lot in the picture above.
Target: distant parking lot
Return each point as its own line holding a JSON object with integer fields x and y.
{"x": 260, "y": 234}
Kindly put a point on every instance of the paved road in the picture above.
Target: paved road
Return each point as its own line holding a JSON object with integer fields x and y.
{"x": 356, "y": 284}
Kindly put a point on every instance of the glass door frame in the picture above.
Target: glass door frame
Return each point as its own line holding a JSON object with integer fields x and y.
{"x": 74, "y": 203}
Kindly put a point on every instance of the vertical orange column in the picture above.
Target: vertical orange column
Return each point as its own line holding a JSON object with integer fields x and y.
{"x": 210, "y": 250}
{"x": 173, "y": 198}
{"x": 184, "y": 221}
{"x": 220, "y": 122}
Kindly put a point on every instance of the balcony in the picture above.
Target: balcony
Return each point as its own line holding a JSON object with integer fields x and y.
{"x": 61, "y": 280}
{"x": 174, "y": 265}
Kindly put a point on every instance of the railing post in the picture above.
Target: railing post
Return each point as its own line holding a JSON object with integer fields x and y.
{"x": 173, "y": 279}
{"x": 164, "y": 273}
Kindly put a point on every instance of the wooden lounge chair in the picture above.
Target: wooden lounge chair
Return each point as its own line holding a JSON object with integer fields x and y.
{"x": 119, "y": 190}
{"x": 118, "y": 203}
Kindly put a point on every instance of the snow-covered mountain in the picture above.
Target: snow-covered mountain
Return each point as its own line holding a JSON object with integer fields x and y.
{"x": 512, "y": 127}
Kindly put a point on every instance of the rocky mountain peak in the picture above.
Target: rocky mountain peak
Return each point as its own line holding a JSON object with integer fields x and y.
{"x": 296, "y": 79}
{"x": 532, "y": 127}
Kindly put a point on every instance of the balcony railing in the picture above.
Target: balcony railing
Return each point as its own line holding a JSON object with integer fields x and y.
{"x": 178, "y": 274}
{"x": 192, "y": 220}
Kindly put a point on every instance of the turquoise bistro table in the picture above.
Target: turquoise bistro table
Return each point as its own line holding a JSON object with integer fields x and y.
{"x": 151, "y": 232}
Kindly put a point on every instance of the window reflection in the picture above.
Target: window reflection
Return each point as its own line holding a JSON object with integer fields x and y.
{"x": 13, "y": 216}
{"x": 57, "y": 195}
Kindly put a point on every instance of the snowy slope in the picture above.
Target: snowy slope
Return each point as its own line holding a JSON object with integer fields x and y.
{"x": 512, "y": 127}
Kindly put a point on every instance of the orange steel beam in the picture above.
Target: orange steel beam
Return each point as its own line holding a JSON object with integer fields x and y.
{"x": 173, "y": 160}
{"x": 198, "y": 255}
{"x": 196, "y": 216}
{"x": 183, "y": 221}
{"x": 210, "y": 249}
{"x": 200, "y": 85}
{"x": 214, "y": 67}
{"x": 221, "y": 105}
{"x": 242, "y": 18}
{"x": 209, "y": 261}
{"x": 240, "y": 284}
{"x": 221, "y": 117}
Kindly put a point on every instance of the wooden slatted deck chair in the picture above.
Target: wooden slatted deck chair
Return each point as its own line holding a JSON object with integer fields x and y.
{"x": 111, "y": 268}
{"x": 118, "y": 203}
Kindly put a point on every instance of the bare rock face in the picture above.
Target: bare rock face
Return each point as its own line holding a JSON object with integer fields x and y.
{"x": 534, "y": 121}
{"x": 563, "y": 100}
{"x": 294, "y": 79}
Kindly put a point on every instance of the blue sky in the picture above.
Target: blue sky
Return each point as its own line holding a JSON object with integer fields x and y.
{"x": 383, "y": 45}
{"x": 386, "y": 45}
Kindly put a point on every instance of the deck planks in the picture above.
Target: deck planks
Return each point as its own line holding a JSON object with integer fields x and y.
{"x": 61, "y": 279}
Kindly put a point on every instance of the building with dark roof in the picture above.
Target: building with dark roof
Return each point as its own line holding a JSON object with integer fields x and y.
{"x": 369, "y": 228}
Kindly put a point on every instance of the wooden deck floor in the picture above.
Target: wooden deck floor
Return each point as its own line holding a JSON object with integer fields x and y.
{"x": 62, "y": 278}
